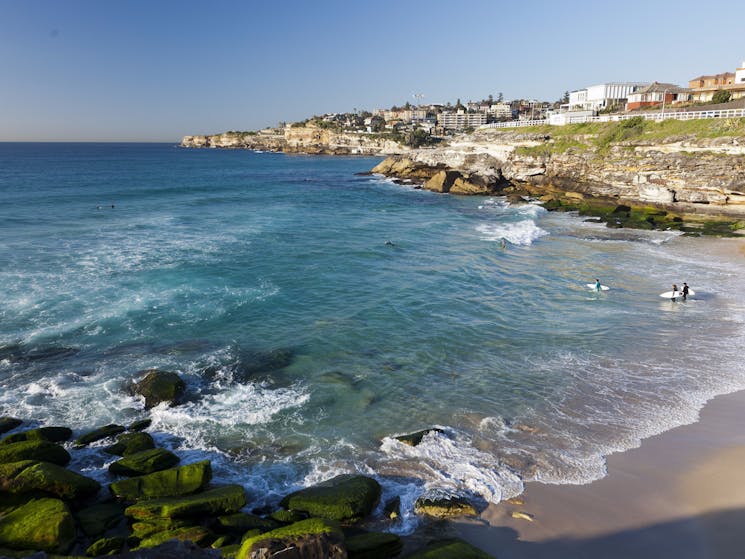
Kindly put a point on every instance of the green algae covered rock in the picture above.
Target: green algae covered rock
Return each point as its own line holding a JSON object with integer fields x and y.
{"x": 140, "y": 425}
{"x": 443, "y": 504}
{"x": 95, "y": 520}
{"x": 166, "y": 483}
{"x": 288, "y": 516}
{"x": 345, "y": 498}
{"x": 448, "y": 549}
{"x": 146, "y": 529}
{"x": 49, "y": 434}
{"x": 374, "y": 545}
{"x": 219, "y": 501}
{"x": 241, "y": 522}
{"x": 160, "y": 386}
{"x": 40, "y": 451}
{"x": 9, "y": 423}
{"x": 42, "y": 524}
{"x": 314, "y": 537}
{"x": 98, "y": 434}
{"x": 28, "y": 476}
{"x": 106, "y": 546}
{"x": 144, "y": 462}
{"x": 196, "y": 534}
{"x": 130, "y": 443}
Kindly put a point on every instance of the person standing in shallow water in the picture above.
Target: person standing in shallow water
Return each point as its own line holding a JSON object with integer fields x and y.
{"x": 675, "y": 291}
{"x": 685, "y": 291}
{"x": 597, "y": 284}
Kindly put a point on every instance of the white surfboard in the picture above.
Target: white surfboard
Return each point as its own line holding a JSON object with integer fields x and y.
{"x": 676, "y": 294}
{"x": 594, "y": 287}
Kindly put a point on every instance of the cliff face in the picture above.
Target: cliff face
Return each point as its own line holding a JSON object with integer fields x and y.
{"x": 687, "y": 175}
{"x": 299, "y": 140}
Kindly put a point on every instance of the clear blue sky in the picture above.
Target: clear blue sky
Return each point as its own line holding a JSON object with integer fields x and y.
{"x": 159, "y": 69}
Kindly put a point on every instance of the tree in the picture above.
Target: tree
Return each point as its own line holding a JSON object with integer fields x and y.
{"x": 721, "y": 96}
{"x": 565, "y": 98}
{"x": 491, "y": 98}
{"x": 500, "y": 97}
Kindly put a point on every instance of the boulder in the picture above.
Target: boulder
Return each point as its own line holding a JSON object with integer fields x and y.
{"x": 41, "y": 524}
{"x": 106, "y": 546}
{"x": 28, "y": 476}
{"x": 165, "y": 483}
{"x": 145, "y": 462}
{"x": 284, "y": 516}
{"x": 442, "y": 181}
{"x": 50, "y": 434}
{"x": 469, "y": 186}
{"x": 215, "y": 502}
{"x": 140, "y": 425}
{"x": 308, "y": 539}
{"x": 95, "y": 520}
{"x": 241, "y": 522}
{"x": 97, "y": 434}
{"x": 8, "y": 424}
{"x": 413, "y": 439}
{"x": 160, "y": 386}
{"x": 40, "y": 451}
{"x": 146, "y": 529}
{"x": 392, "y": 508}
{"x": 449, "y": 549}
{"x": 199, "y": 535}
{"x": 374, "y": 545}
{"x": 345, "y": 498}
{"x": 443, "y": 504}
{"x": 130, "y": 443}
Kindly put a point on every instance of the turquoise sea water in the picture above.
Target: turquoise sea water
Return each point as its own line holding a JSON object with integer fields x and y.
{"x": 307, "y": 341}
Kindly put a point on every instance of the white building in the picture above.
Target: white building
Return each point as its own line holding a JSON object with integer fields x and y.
{"x": 740, "y": 73}
{"x": 460, "y": 120}
{"x": 598, "y": 97}
{"x": 501, "y": 110}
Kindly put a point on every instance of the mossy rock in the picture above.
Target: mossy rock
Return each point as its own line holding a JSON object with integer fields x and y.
{"x": 49, "y": 434}
{"x": 95, "y": 520}
{"x": 28, "y": 476}
{"x": 147, "y": 528}
{"x": 374, "y": 545}
{"x": 288, "y": 516}
{"x": 9, "y": 423}
{"x": 413, "y": 439}
{"x": 449, "y": 549}
{"x": 130, "y": 443}
{"x": 230, "y": 551}
{"x": 41, "y": 524}
{"x": 140, "y": 425}
{"x": 106, "y": 546}
{"x": 222, "y": 541}
{"x": 40, "y": 451}
{"x": 443, "y": 504}
{"x": 99, "y": 434}
{"x": 160, "y": 386}
{"x": 172, "y": 482}
{"x": 311, "y": 527}
{"x": 241, "y": 522}
{"x": 196, "y": 534}
{"x": 219, "y": 501}
{"x": 345, "y": 498}
{"x": 145, "y": 462}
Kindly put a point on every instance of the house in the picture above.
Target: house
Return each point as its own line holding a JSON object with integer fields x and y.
{"x": 603, "y": 96}
{"x": 657, "y": 94}
{"x": 703, "y": 88}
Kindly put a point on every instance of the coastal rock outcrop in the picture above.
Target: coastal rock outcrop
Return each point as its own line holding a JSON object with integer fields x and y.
{"x": 344, "y": 498}
{"x": 160, "y": 386}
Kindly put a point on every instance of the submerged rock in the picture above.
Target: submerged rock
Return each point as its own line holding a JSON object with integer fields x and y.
{"x": 28, "y": 476}
{"x": 49, "y": 434}
{"x": 140, "y": 425}
{"x": 160, "y": 386}
{"x": 98, "y": 434}
{"x": 145, "y": 462}
{"x": 311, "y": 538}
{"x": 42, "y": 524}
{"x": 8, "y": 424}
{"x": 41, "y": 451}
{"x": 413, "y": 439}
{"x": 166, "y": 483}
{"x": 131, "y": 443}
{"x": 443, "y": 504}
{"x": 345, "y": 498}
{"x": 219, "y": 501}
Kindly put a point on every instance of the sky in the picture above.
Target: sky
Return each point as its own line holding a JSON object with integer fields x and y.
{"x": 156, "y": 70}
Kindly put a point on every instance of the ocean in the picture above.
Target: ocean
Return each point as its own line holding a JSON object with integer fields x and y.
{"x": 316, "y": 313}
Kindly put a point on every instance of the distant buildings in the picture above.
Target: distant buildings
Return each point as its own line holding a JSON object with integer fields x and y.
{"x": 602, "y": 96}
{"x": 460, "y": 119}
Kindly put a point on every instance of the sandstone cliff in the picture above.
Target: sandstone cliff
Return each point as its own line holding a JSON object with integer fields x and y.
{"x": 688, "y": 175}
{"x": 310, "y": 139}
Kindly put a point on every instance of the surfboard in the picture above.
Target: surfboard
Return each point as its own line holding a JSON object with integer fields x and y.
{"x": 676, "y": 294}
{"x": 593, "y": 287}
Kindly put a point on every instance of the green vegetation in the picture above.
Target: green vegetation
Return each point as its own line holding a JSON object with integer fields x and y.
{"x": 721, "y": 96}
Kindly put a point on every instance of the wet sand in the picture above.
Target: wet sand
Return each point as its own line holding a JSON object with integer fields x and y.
{"x": 681, "y": 494}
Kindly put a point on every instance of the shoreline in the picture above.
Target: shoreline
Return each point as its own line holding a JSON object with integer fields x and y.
{"x": 679, "y": 494}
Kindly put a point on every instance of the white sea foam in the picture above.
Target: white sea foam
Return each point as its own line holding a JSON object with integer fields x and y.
{"x": 518, "y": 233}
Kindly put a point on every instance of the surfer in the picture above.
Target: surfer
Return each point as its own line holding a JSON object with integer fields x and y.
{"x": 597, "y": 284}
{"x": 389, "y": 243}
{"x": 675, "y": 293}
{"x": 502, "y": 243}
{"x": 685, "y": 291}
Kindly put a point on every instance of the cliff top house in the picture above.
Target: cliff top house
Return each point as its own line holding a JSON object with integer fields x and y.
{"x": 704, "y": 87}
{"x": 657, "y": 94}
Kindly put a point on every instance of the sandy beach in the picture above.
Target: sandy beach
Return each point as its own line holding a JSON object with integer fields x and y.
{"x": 680, "y": 494}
